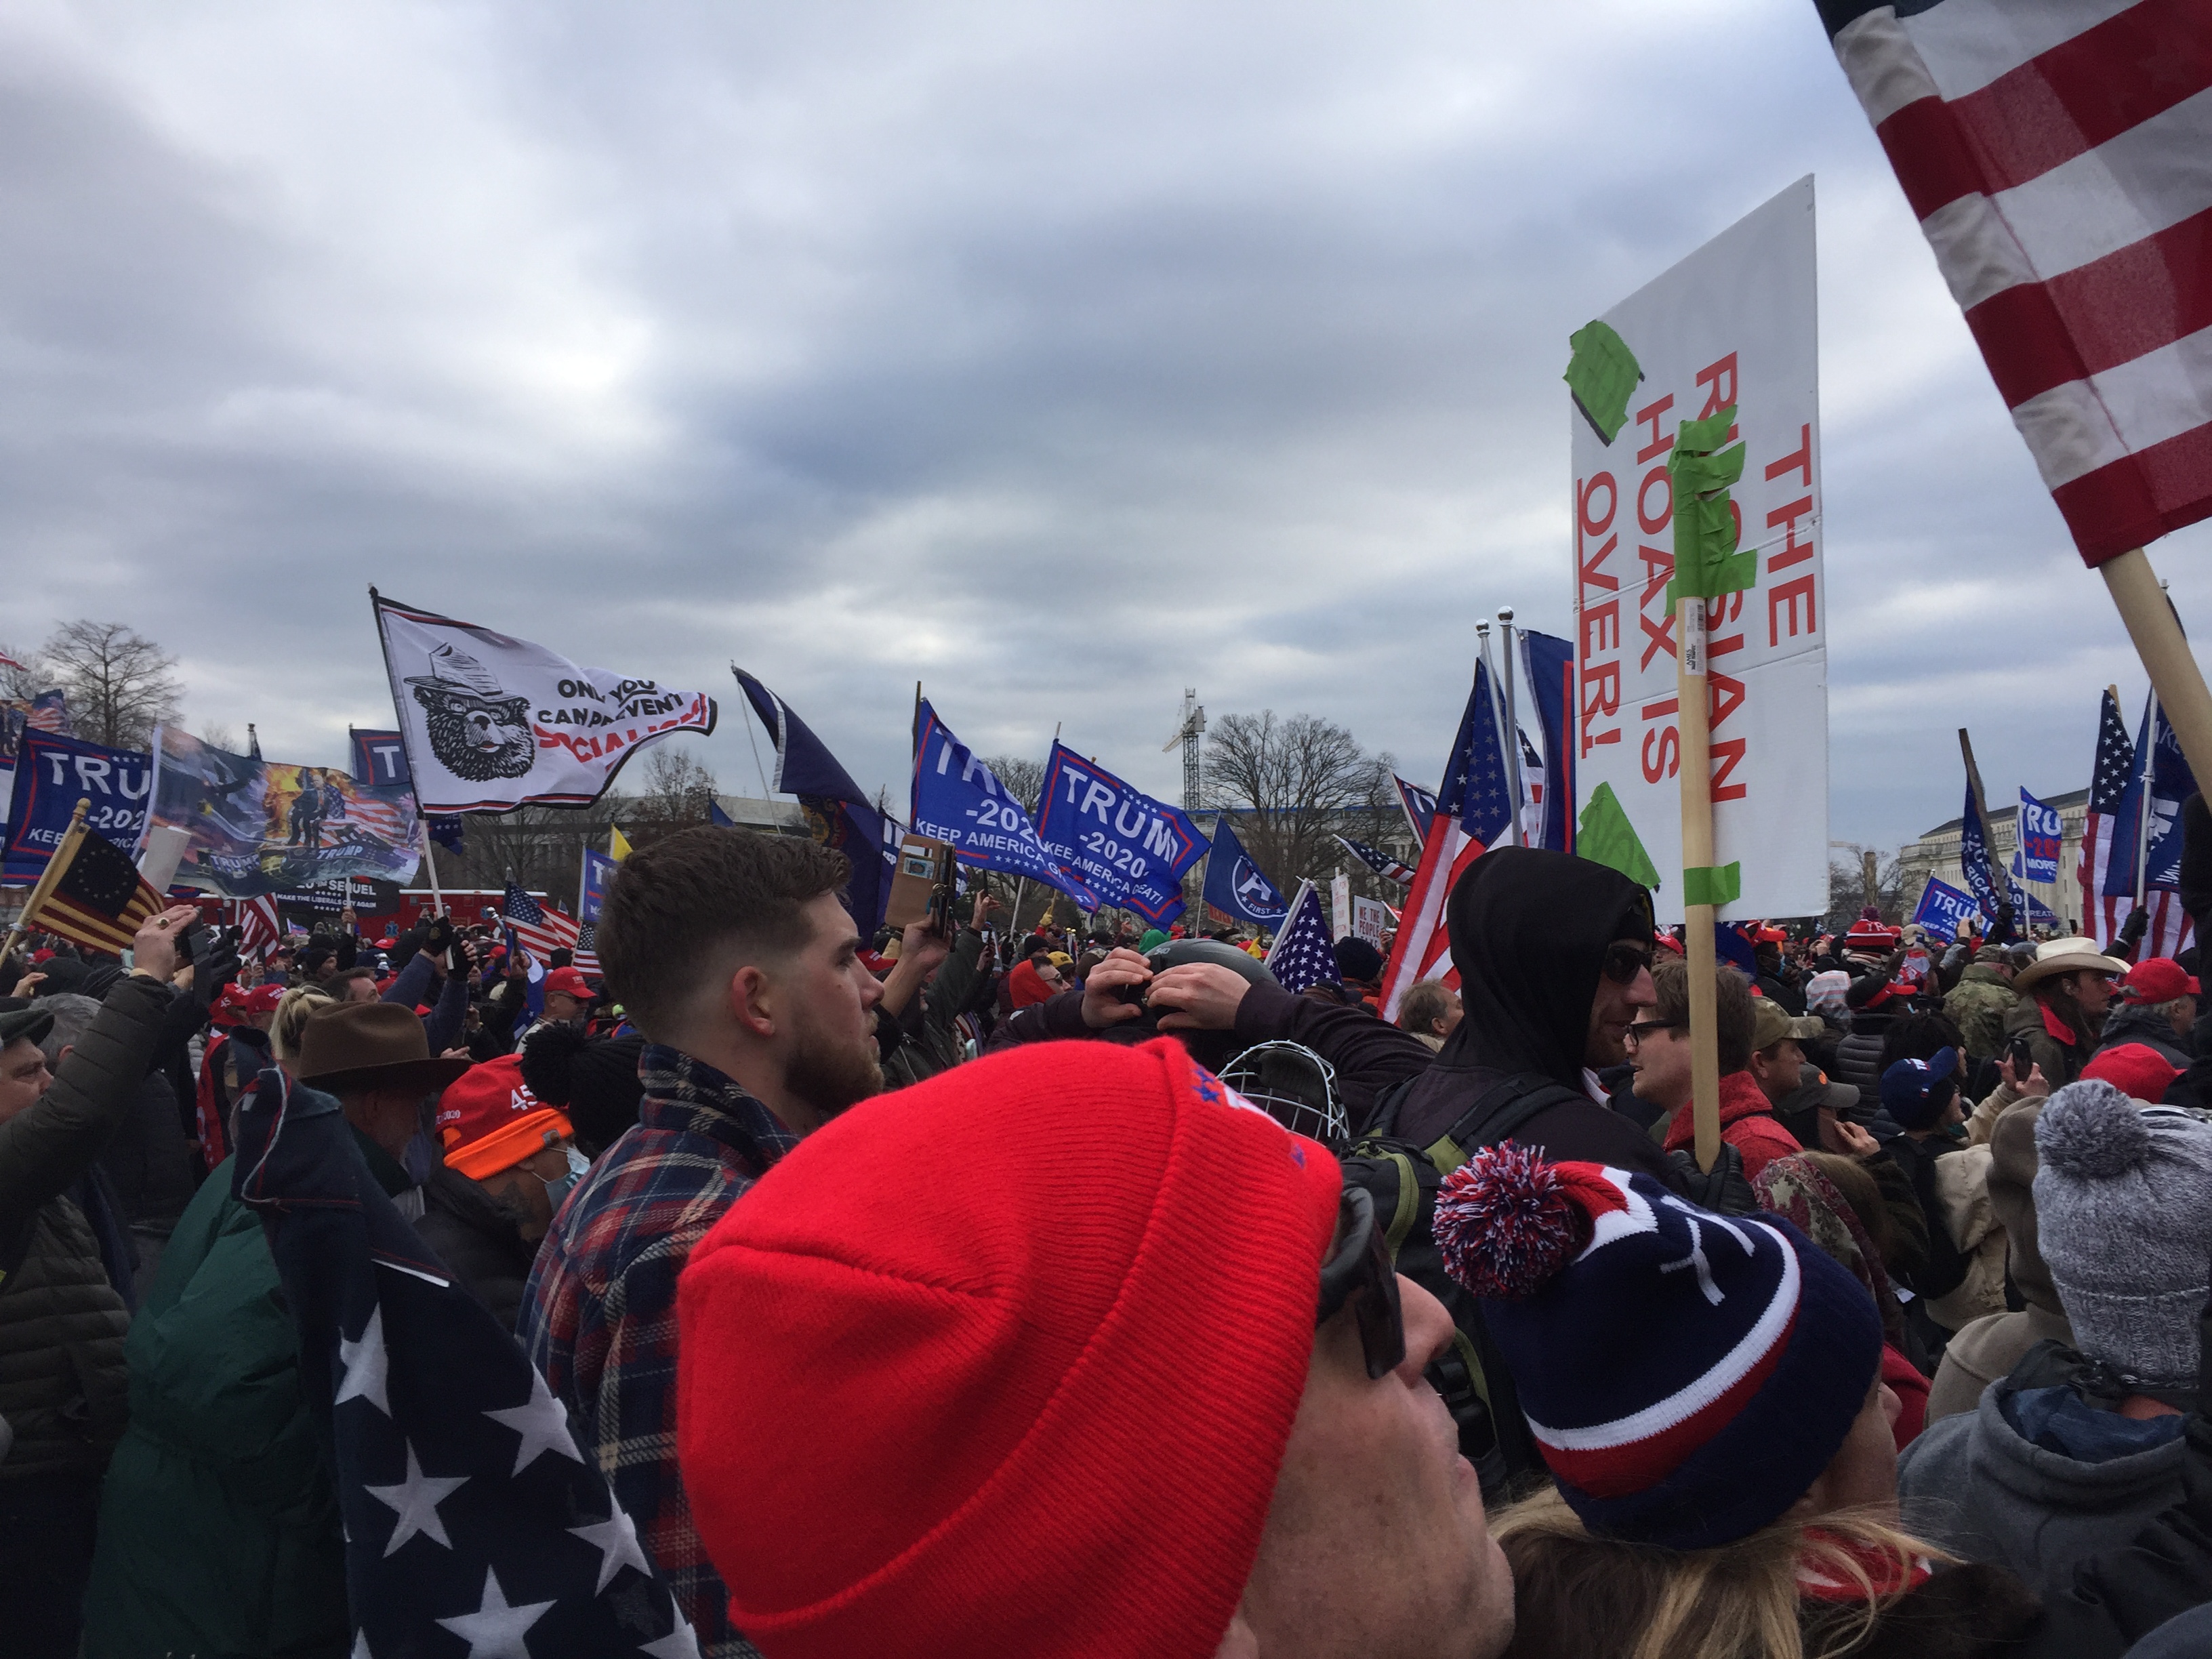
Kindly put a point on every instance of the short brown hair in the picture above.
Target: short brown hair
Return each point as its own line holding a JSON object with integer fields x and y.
{"x": 1731, "y": 1022}
{"x": 1425, "y": 1002}
{"x": 677, "y": 905}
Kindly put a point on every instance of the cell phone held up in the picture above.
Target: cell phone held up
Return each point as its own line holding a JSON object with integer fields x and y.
{"x": 2023, "y": 1060}
{"x": 922, "y": 884}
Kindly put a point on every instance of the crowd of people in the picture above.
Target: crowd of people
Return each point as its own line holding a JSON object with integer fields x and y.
{"x": 1088, "y": 1292}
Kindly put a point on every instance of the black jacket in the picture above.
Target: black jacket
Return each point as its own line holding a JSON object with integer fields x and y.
{"x": 477, "y": 1240}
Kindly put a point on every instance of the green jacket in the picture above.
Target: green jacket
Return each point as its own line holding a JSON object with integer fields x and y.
{"x": 2062, "y": 1063}
{"x": 62, "y": 1321}
{"x": 934, "y": 1045}
{"x": 1978, "y": 1006}
{"x": 218, "y": 1526}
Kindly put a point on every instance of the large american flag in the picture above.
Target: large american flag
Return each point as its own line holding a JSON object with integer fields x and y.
{"x": 540, "y": 932}
{"x": 1474, "y": 809}
{"x": 476, "y": 1521}
{"x": 1303, "y": 953}
{"x": 2054, "y": 152}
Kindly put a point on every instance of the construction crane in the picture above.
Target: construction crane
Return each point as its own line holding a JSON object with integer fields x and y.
{"x": 1187, "y": 732}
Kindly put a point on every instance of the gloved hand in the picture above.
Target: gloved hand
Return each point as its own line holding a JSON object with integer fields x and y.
{"x": 215, "y": 964}
{"x": 2132, "y": 930}
{"x": 1723, "y": 1189}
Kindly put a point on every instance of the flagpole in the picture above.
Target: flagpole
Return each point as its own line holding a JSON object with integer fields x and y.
{"x": 430, "y": 864}
{"x": 767, "y": 793}
{"x": 1693, "y": 717}
{"x": 56, "y": 867}
{"x": 2149, "y": 759}
{"x": 1512, "y": 728}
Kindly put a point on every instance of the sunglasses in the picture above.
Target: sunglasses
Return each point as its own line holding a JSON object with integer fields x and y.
{"x": 1358, "y": 1272}
{"x": 1624, "y": 960}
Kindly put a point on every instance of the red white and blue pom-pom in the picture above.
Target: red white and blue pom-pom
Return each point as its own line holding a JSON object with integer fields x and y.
{"x": 1505, "y": 1223}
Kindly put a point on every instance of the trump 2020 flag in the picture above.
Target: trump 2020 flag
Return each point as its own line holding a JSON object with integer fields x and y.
{"x": 957, "y": 799}
{"x": 475, "y": 1524}
{"x": 1303, "y": 953}
{"x": 1944, "y": 910}
{"x": 1129, "y": 849}
{"x": 1238, "y": 887}
{"x": 2054, "y": 153}
{"x": 493, "y": 722}
{"x": 1974, "y": 852}
{"x": 837, "y": 812}
{"x": 2041, "y": 830}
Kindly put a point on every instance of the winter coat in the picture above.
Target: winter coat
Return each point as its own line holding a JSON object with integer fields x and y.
{"x": 152, "y": 1169}
{"x": 931, "y": 1044}
{"x": 477, "y": 1239}
{"x": 1962, "y": 1195}
{"x": 1944, "y": 1268}
{"x": 1747, "y": 1123}
{"x": 2133, "y": 1022}
{"x": 62, "y": 1318}
{"x": 218, "y": 1529}
{"x": 1858, "y": 1056}
{"x": 2060, "y": 1045}
{"x": 1978, "y": 1006}
{"x": 1992, "y": 1485}
{"x": 1987, "y": 1348}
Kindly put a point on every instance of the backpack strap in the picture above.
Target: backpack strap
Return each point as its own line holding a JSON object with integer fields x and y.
{"x": 1382, "y": 1116}
{"x": 1409, "y": 1200}
{"x": 1494, "y": 1118}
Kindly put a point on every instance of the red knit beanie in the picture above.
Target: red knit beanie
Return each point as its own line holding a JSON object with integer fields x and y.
{"x": 1004, "y": 1363}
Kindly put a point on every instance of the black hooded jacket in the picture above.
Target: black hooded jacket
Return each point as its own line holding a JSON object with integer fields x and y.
{"x": 1528, "y": 935}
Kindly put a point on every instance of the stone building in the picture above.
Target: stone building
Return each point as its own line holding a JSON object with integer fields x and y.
{"x": 1936, "y": 854}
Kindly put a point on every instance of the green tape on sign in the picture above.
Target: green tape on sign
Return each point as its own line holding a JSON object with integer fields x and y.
{"x": 1707, "y": 565}
{"x": 1711, "y": 885}
{"x": 1602, "y": 375}
{"x": 1606, "y": 837}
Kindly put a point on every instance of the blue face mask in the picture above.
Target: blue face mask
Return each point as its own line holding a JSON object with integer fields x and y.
{"x": 556, "y": 1192}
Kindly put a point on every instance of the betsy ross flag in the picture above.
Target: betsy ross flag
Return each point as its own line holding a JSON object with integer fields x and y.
{"x": 1379, "y": 862}
{"x": 1303, "y": 953}
{"x": 475, "y": 1522}
{"x": 540, "y": 931}
{"x": 100, "y": 900}
{"x": 2054, "y": 155}
{"x": 1474, "y": 809}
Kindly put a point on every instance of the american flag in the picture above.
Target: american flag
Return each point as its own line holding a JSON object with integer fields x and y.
{"x": 1420, "y": 806}
{"x": 1532, "y": 794}
{"x": 49, "y": 711}
{"x": 542, "y": 932}
{"x": 475, "y": 1521}
{"x": 2101, "y": 916}
{"x": 256, "y": 926}
{"x": 1303, "y": 953}
{"x": 2158, "y": 773}
{"x": 2053, "y": 155}
{"x": 99, "y": 901}
{"x": 587, "y": 950}
{"x": 1472, "y": 811}
{"x": 1376, "y": 859}
{"x": 388, "y": 813}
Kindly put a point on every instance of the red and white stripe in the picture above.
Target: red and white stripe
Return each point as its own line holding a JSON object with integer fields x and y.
{"x": 1422, "y": 949}
{"x": 2103, "y": 915}
{"x": 556, "y": 933}
{"x": 2054, "y": 156}
{"x": 256, "y": 926}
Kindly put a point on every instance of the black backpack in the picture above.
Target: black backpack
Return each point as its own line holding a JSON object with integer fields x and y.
{"x": 1404, "y": 1179}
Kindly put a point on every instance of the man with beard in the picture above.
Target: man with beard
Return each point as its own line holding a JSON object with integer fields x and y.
{"x": 732, "y": 954}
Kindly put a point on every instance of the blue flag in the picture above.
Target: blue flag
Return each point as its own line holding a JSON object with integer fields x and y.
{"x": 1128, "y": 848}
{"x": 838, "y": 813}
{"x": 52, "y": 773}
{"x": 1235, "y": 886}
{"x": 1420, "y": 807}
{"x": 2169, "y": 783}
{"x": 1303, "y": 953}
{"x": 379, "y": 758}
{"x": 448, "y": 833}
{"x": 2031, "y": 910}
{"x": 1944, "y": 910}
{"x": 1974, "y": 854}
{"x": 599, "y": 872}
{"x": 2040, "y": 829}
{"x": 957, "y": 799}
{"x": 474, "y": 1519}
{"x": 717, "y": 816}
{"x": 1547, "y": 664}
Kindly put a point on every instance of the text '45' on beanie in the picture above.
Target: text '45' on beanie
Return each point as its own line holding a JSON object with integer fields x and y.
{"x": 1004, "y": 1363}
{"x": 2124, "y": 1220}
{"x": 1686, "y": 1376}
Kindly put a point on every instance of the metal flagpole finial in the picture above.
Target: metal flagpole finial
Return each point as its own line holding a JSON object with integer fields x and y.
{"x": 1505, "y": 615}
{"x": 1483, "y": 629}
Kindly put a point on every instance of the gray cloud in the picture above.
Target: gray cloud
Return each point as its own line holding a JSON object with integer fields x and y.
{"x": 1056, "y": 357}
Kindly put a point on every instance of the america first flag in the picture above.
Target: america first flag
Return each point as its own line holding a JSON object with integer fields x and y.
{"x": 2058, "y": 155}
{"x": 1474, "y": 809}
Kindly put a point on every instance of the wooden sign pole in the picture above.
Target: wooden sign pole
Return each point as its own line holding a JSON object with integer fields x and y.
{"x": 1693, "y": 719}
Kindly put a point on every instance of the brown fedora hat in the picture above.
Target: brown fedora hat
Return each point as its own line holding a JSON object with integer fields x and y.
{"x": 372, "y": 1044}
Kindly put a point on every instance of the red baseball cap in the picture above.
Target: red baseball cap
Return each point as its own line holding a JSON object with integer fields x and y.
{"x": 2159, "y": 979}
{"x": 236, "y": 1005}
{"x": 489, "y": 1121}
{"x": 570, "y": 982}
{"x": 2133, "y": 1068}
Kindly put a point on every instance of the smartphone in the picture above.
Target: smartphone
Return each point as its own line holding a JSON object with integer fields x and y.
{"x": 2022, "y": 1059}
{"x": 923, "y": 870}
{"x": 945, "y": 886}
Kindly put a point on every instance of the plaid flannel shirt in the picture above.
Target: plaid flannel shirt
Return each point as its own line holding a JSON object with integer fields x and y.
{"x": 599, "y": 1315}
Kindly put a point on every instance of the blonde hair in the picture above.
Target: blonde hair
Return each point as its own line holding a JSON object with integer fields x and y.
{"x": 294, "y": 1009}
{"x": 1575, "y": 1593}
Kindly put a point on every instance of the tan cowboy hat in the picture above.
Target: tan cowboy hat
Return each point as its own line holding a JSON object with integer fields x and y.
{"x": 379, "y": 1045}
{"x": 2066, "y": 956}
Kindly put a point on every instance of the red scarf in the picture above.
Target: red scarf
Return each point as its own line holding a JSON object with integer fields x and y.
{"x": 1880, "y": 1567}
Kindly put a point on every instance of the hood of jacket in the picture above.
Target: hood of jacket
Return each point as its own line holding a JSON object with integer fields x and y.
{"x": 2135, "y": 1022}
{"x": 1529, "y": 932}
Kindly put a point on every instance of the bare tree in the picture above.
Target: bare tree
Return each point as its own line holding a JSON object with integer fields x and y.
{"x": 1847, "y": 894}
{"x": 1020, "y": 777}
{"x": 1295, "y": 785}
{"x": 120, "y": 685}
{"x": 19, "y": 674}
{"x": 217, "y": 735}
{"x": 678, "y": 792}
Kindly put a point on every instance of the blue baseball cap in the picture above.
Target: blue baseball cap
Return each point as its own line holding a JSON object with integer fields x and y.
{"x": 1915, "y": 1092}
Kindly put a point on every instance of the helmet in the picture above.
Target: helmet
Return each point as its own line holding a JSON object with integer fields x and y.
{"x": 1295, "y": 1086}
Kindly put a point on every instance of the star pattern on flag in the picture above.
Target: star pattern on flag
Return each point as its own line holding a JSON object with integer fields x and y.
{"x": 615, "y": 1539}
{"x": 1303, "y": 952}
{"x": 366, "y": 1365}
{"x": 542, "y": 1423}
{"x": 494, "y": 1630}
{"x": 2116, "y": 760}
{"x": 416, "y": 1499}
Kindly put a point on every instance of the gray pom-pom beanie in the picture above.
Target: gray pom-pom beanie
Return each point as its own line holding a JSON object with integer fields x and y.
{"x": 2124, "y": 1218}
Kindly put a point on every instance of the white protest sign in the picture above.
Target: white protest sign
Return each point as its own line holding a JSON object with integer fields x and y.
{"x": 1371, "y": 920}
{"x": 1734, "y": 323}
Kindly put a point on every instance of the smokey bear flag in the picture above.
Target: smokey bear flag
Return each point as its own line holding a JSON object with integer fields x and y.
{"x": 491, "y": 722}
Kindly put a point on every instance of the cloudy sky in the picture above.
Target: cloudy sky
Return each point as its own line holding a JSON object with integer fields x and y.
{"x": 1058, "y": 356}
